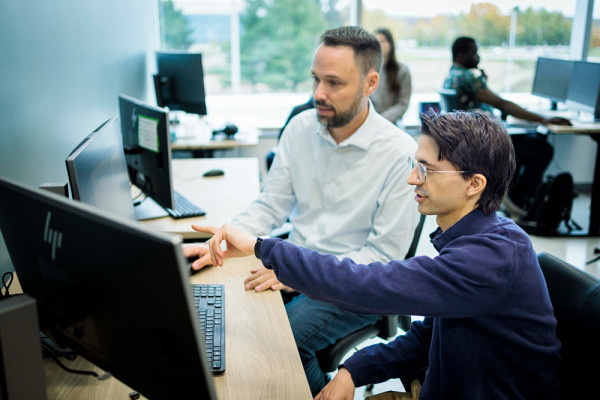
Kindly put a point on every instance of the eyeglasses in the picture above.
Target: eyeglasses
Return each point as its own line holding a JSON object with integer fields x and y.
{"x": 423, "y": 171}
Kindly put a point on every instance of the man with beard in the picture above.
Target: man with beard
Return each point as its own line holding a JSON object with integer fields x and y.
{"x": 339, "y": 177}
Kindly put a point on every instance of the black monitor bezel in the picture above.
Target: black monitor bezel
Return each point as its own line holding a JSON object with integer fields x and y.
{"x": 148, "y": 171}
{"x": 179, "y": 81}
{"x": 136, "y": 310}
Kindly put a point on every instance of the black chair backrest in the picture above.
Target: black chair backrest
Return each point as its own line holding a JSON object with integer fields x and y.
{"x": 448, "y": 99}
{"x": 330, "y": 357}
{"x": 575, "y": 296}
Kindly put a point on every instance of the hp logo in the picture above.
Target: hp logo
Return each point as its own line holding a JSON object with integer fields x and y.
{"x": 51, "y": 236}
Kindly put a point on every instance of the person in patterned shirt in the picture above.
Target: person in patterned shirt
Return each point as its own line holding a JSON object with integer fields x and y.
{"x": 533, "y": 151}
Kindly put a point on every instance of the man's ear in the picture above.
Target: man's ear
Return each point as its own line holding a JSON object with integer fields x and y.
{"x": 371, "y": 82}
{"x": 477, "y": 185}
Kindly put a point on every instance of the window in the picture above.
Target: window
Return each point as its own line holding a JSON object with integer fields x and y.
{"x": 250, "y": 46}
{"x": 510, "y": 35}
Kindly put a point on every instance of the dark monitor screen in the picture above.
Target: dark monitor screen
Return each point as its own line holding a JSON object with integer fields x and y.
{"x": 584, "y": 90}
{"x": 114, "y": 292}
{"x": 147, "y": 146}
{"x": 552, "y": 78}
{"x": 98, "y": 172}
{"x": 179, "y": 82}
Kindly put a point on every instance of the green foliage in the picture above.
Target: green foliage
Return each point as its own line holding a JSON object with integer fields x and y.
{"x": 484, "y": 22}
{"x": 174, "y": 30}
{"x": 278, "y": 40}
{"x": 537, "y": 27}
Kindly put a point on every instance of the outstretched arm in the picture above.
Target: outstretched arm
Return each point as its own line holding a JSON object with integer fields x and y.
{"x": 485, "y": 95}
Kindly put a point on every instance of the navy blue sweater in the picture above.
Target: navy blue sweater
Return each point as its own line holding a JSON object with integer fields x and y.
{"x": 489, "y": 330}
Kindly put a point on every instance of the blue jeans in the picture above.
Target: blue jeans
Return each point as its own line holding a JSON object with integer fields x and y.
{"x": 315, "y": 326}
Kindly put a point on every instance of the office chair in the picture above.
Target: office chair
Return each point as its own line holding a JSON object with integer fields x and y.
{"x": 295, "y": 111}
{"x": 330, "y": 357}
{"x": 448, "y": 99}
{"x": 575, "y": 296}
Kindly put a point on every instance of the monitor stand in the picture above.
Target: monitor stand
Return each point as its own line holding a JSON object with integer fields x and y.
{"x": 149, "y": 209}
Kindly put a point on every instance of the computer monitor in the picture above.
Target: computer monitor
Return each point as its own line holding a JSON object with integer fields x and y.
{"x": 552, "y": 78}
{"x": 114, "y": 292}
{"x": 98, "y": 172}
{"x": 584, "y": 90}
{"x": 179, "y": 82}
{"x": 147, "y": 145}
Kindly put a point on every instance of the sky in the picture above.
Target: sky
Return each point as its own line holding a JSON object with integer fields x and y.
{"x": 429, "y": 7}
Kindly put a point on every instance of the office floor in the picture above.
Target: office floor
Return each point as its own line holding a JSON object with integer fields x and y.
{"x": 575, "y": 250}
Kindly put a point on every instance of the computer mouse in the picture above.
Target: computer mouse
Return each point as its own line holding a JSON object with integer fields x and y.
{"x": 214, "y": 172}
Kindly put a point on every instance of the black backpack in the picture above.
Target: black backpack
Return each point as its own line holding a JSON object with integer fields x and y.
{"x": 551, "y": 205}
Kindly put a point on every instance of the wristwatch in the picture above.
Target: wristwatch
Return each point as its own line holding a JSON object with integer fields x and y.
{"x": 257, "y": 245}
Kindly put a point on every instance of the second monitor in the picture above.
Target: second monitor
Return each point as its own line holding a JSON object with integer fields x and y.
{"x": 179, "y": 83}
{"x": 147, "y": 146}
{"x": 552, "y": 79}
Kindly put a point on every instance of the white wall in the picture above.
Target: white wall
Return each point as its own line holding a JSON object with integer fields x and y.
{"x": 63, "y": 64}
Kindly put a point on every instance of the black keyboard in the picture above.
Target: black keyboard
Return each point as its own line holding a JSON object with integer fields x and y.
{"x": 209, "y": 300}
{"x": 184, "y": 208}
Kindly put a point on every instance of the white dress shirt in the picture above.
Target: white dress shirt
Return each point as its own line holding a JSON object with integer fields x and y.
{"x": 349, "y": 200}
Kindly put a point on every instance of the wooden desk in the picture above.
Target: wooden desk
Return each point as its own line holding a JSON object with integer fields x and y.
{"x": 593, "y": 130}
{"x": 222, "y": 197}
{"x": 262, "y": 361}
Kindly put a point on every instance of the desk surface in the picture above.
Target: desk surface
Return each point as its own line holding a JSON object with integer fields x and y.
{"x": 578, "y": 127}
{"x": 261, "y": 357}
{"x": 222, "y": 197}
{"x": 195, "y": 133}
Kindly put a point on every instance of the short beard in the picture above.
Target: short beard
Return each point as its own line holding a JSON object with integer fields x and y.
{"x": 341, "y": 119}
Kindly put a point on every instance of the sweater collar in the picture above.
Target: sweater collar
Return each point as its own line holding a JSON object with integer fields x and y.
{"x": 473, "y": 222}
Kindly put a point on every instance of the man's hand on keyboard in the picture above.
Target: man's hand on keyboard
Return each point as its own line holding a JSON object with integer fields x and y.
{"x": 202, "y": 254}
{"x": 262, "y": 279}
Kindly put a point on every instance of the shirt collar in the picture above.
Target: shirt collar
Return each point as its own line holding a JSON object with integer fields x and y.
{"x": 362, "y": 138}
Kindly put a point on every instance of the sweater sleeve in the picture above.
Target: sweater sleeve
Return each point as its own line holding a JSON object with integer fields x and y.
{"x": 406, "y": 354}
{"x": 454, "y": 284}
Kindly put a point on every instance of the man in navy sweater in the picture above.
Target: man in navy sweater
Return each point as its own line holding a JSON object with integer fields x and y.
{"x": 489, "y": 329}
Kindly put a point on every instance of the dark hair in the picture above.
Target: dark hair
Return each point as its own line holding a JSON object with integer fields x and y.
{"x": 367, "y": 50}
{"x": 461, "y": 45}
{"x": 476, "y": 142}
{"x": 391, "y": 65}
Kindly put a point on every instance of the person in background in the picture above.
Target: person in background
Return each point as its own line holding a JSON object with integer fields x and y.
{"x": 337, "y": 176}
{"x": 393, "y": 94}
{"x": 489, "y": 329}
{"x": 533, "y": 151}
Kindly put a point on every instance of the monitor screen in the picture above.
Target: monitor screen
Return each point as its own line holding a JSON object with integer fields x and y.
{"x": 179, "y": 82}
{"x": 552, "y": 78}
{"x": 147, "y": 146}
{"x": 98, "y": 173}
{"x": 584, "y": 90}
{"x": 114, "y": 292}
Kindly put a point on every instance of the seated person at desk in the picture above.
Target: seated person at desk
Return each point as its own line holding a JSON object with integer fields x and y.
{"x": 338, "y": 175}
{"x": 393, "y": 93}
{"x": 533, "y": 151}
{"x": 489, "y": 329}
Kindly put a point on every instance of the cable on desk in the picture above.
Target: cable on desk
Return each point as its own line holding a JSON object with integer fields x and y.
{"x": 49, "y": 350}
{"x": 7, "y": 280}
